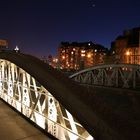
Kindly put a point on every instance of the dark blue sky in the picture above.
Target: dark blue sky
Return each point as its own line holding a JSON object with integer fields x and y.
{"x": 38, "y": 26}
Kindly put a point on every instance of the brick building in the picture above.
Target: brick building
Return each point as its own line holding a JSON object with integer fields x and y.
{"x": 75, "y": 56}
{"x": 127, "y": 47}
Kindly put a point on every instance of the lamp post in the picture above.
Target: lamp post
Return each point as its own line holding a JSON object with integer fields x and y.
{"x": 128, "y": 56}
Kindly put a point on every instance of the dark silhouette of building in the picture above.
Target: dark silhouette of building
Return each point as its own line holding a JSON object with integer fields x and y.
{"x": 126, "y": 47}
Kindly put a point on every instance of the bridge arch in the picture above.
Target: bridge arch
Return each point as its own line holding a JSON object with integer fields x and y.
{"x": 44, "y": 80}
{"x": 111, "y": 75}
{"x": 27, "y": 84}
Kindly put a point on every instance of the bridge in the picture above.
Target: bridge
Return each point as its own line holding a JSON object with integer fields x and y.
{"x": 67, "y": 110}
{"x": 111, "y": 75}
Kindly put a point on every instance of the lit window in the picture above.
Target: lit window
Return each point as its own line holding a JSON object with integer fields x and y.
{"x": 63, "y": 57}
{"x": 71, "y": 52}
{"x": 55, "y": 60}
{"x": 82, "y": 55}
{"x": 83, "y": 51}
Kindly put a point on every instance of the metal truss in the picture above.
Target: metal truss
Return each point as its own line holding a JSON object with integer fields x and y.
{"x": 114, "y": 75}
{"x": 19, "y": 89}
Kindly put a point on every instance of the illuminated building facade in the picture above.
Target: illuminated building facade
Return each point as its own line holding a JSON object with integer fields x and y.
{"x": 75, "y": 56}
{"x": 127, "y": 47}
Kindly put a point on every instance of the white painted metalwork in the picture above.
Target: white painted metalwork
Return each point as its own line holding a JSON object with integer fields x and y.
{"x": 113, "y": 75}
{"x": 23, "y": 92}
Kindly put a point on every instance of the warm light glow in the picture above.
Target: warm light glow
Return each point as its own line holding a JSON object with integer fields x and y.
{"x": 63, "y": 57}
{"x": 82, "y": 51}
{"x": 127, "y": 53}
{"x": 71, "y": 52}
{"x": 55, "y": 60}
{"x": 95, "y": 50}
{"x": 82, "y": 55}
{"x": 89, "y": 55}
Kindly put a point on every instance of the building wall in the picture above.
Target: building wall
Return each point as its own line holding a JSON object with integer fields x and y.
{"x": 3, "y": 44}
{"x": 127, "y": 47}
{"x": 132, "y": 55}
{"x": 75, "y": 56}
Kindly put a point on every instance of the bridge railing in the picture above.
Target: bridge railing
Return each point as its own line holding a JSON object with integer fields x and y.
{"x": 113, "y": 75}
{"x": 19, "y": 89}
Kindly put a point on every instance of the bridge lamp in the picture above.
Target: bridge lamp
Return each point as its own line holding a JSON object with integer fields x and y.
{"x": 128, "y": 56}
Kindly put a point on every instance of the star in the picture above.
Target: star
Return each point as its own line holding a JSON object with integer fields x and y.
{"x": 93, "y": 5}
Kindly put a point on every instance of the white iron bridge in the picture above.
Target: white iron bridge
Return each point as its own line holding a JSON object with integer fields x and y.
{"x": 111, "y": 75}
{"x": 56, "y": 103}
{"x": 20, "y": 89}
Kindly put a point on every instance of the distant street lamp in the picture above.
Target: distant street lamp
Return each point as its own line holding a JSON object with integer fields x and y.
{"x": 128, "y": 56}
{"x": 89, "y": 55}
{"x": 16, "y": 49}
{"x": 127, "y": 53}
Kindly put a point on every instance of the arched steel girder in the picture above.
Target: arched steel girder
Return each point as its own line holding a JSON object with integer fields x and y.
{"x": 32, "y": 99}
{"x": 66, "y": 92}
{"x": 111, "y": 75}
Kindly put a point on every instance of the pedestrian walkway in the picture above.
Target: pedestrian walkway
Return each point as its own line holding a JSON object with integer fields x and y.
{"x": 14, "y": 127}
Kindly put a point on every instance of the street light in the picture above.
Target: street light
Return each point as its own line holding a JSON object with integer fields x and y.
{"x": 128, "y": 56}
{"x": 127, "y": 53}
{"x": 89, "y": 55}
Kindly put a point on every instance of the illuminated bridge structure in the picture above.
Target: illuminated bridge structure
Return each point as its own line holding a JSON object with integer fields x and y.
{"x": 111, "y": 75}
{"x": 62, "y": 107}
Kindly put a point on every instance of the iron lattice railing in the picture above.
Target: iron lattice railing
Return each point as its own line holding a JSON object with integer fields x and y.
{"x": 19, "y": 89}
{"x": 114, "y": 75}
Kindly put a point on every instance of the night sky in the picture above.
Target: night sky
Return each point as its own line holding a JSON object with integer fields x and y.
{"x": 38, "y": 26}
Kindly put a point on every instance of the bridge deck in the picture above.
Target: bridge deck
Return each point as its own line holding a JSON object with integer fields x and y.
{"x": 14, "y": 127}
